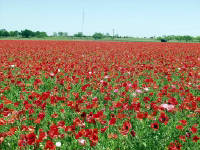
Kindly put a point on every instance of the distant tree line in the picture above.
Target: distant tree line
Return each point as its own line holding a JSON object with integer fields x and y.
{"x": 28, "y": 34}
{"x": 186, "y": 38}
{"x": 97, "y": 35}
{"x": 24, "y": 33}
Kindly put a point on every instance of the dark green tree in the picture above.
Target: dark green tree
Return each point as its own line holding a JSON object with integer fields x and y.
{"x": 79, "y": 34}
{"x": 159, "y": 38}
{"x": 60, "y": 33}
{"x": 27, "y": 33}
{"x": 14, "y": 33}
{"x": 65, "y": 34}
{"x": 187, "y": 38}
{"x": 170, "y": 37}
{"x": 55, "y": 34}
{"x": 97, "y": 36}
{"x": 4, "y": 33}
{"x": 40, "y": 34}
{"x": 198, "y": 38}
{"x": 179, "y": 38}
{"x": 107, "y": 35}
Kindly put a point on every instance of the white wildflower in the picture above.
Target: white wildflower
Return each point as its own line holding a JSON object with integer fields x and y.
{"x": 134, "y": 94}
{"x": 116, "y": 90}
{"x": 52, "y": 74}
{"x": 138, "y": 91}
{"x": 167, "y": 106}
{"x": 146, "y": 89}
{"x": 106, "y": 77}
{"x": 82, "y": 141}
{"x": 58, "y": 144}
{"x": 173, "y": 86}
{"x": 129, "y": 85}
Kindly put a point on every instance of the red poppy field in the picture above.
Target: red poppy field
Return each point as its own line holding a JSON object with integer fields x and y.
{"x": 99, "y": 95}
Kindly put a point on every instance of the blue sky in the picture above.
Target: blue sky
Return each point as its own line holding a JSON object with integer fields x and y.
{"x": 128, "y": 17}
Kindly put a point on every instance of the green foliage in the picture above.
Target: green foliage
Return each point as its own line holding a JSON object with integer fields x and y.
{"x": 79, "y": 34}
{"x": 27, "y": 33}
{"x": 24, "y": 33}
{"x": 198, "y": 38}
{"x": 4, "y": 33}
{"x": 107, "y": 35}
{"x": 170, "y": 37}
{"x": 97, "y": 36}
{"x": 179, "y": 38}
{"x": 187, "y": 38}
{"x": 60, "y": 33}
{"x": 159, "y": 38}
{"x": 65, "y": 34}
{"x": 14, "y": 33}
{"x": 55, "y": 34}
{"x": 40, "y": 34}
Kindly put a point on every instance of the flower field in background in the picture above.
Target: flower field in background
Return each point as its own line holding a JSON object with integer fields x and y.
{"x": 99, "y": 95}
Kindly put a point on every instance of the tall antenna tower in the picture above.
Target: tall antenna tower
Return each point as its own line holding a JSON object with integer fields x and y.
{"x": 113, "y": 33}
{"x": 83, "y": 20}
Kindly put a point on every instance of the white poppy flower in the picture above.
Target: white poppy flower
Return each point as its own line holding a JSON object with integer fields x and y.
{"x": 58, "y": 144}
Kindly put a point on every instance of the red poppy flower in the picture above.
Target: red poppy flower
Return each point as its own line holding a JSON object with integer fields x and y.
{"x": 195, "y": 138}
{"x": 141, "y": 115}
{"x": 1, "y": 106}
{"x": 22, "y": 141}
{"x": 194, "y": 130}
{"x": 112, "y": 136}
{"x": 41, "y": 137}
{"x": 41, "y": 115}
{"x": 94, "y": 138}
{"x": 173, "y": 101}
{"x": 125, "y": 128}
{"x": 92, "y": 144}
{"x": 104, "y": 129}
{"x": 83, "y": 115}
{"x": 31, "y": 138}
{"x": 155, "y": 126}
{"x": 55, "y": 115}
{"x": 175, "y": 146}
{"x": 179, "y": 127}
{"x": 1, "y": 139}
{"x": 146, "y": 99}
{"x": 163, "y": 118}
{"x": 50, "y": 145}
{"x": 53, "y": 132}
{"x": 85, "y": 87}
{"x": 184, "y": 122}
{"x": 182, "y": 137}
{"x": 133, "y": 133}
{"x": 112, "y": 121}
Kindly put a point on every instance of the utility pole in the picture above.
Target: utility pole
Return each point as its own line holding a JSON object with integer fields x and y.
{"x": 113, "y": 33}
